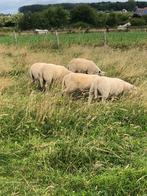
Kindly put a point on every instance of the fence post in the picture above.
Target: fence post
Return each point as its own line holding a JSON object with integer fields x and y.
{"x": 15, "y": 37}
{"x": 57, "y": 37}
{"x": 105, "y": 38}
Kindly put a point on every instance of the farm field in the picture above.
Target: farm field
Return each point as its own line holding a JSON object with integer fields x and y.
{"x": 54, "y": 145}
{"x": 113, "y": 39}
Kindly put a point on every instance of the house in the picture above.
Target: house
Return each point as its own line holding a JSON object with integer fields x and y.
{"x": 140, "y": 11}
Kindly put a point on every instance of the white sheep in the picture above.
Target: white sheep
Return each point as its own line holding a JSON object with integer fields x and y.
{"x": 81, "y": 65}
{"x": 124, "y": 27}
{"x": 50, "y": 73}
{"x": 108, "y": 88}
{"x": 77, "y": 81}
{"x": 35, "y": 70}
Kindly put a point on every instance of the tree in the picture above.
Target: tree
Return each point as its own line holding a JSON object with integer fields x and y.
{"x": 26, "y": 22}
{"x": 84, "y": 13}
{"x": 10, "y": 20}
{"x": 138, "y": 22}
{"x": 131, "y": 4}
{"x": 62, "y": 17}
{"x": 112, "y": 20}
{"x": 56, "y": 17}
{"x": 101, "y": 19}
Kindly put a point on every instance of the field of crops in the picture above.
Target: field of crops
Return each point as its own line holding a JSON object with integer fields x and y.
{"x": 54, "y": 145}
{"x": 114, "y": 39}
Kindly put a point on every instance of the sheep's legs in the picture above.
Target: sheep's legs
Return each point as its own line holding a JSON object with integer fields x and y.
{"x": 43, "y": 84}
{"x": 91, "y": 95}
{"x": 104, "y": 99}
{"x": 67, "y": 91}
{"x": 90, "y": 99}
{"x": 113, "y": 98}
{"x": 95, "y": 94}
{"x": 47, "y": 85}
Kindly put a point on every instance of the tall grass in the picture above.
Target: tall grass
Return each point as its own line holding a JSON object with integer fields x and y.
{"x": 54, "y": 145}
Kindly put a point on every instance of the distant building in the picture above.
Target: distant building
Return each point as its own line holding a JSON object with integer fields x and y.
{"x": 140, "y": 11}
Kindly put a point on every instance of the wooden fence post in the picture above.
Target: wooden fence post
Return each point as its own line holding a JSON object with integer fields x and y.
{"x": 57, "y": 37}
{"x": 105, "y": 38}
{"x": 15, "y": 37}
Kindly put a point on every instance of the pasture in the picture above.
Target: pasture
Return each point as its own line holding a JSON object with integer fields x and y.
{"x": 54, "y": 145}
{"x": 113, "y": 39}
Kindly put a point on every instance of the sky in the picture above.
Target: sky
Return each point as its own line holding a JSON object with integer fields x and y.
{"x": 11, "y": 6}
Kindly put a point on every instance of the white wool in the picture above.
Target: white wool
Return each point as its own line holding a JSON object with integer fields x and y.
{"x": 108, "y": 87}
{"x": 77, "y": 81}
{"x": 81, "y": 65}
{"x": 50, "y": 73}
{"x": 47, "y": 73}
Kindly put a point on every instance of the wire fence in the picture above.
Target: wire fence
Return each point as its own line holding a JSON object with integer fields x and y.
{"x": 57, "y": 40}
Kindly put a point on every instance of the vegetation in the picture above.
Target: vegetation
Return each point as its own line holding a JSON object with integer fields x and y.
{"x": 114, "y": 39}
{"x": 10, "y": 20}
{"x": 51, "y": 18}
{"x": 54, "y": 145}
{"x": 68, "y": 16}
{"x": 101, "y": 6}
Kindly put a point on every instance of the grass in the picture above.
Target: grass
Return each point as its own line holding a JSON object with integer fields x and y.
{"x": 114, "y": 39}
{"x": 52, "y": 145}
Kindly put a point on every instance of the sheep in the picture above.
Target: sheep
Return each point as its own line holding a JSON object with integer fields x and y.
{"x": 81, "y": 65}
{"x": 124, "y": 27}
{"x": 77, "y": 81}
{"x": 41, "y": 31}
{"x": 109, "y": 87}
{"x": 50, "y": 73}
{"x": 35, "y": 70}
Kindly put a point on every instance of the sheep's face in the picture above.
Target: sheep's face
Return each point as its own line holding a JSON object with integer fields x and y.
{"x": 131, "y": 88}
{"x": 101, "y": 73}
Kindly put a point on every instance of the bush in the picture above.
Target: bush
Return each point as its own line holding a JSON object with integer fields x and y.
{"x": 138, "y": 22}
{"x": 81, "y": 25}
{"x": 112, "y": 20}
{"x": 101, "y": 19}
{"x": 84, "y": 13}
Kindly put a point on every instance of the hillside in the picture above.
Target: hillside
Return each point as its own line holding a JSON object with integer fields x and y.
{"x": 101, "y": 6}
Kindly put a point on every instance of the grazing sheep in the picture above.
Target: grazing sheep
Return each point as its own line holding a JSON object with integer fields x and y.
{"x": 81, "y": 65}
{"x": 77, "y": 81}
{"x": 50, "y": 73}
{"x": 108, "y": 87}
{"x": 124, "y": 27}
{"x": 41, "y": 31}
{"x": 35, "y": 71}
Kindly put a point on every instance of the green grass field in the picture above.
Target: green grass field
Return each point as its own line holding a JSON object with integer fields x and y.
{"x": 54, "y": 145}
{"x": 114, "y": 39}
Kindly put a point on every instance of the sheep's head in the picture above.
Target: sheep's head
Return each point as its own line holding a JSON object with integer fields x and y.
{"x": 131, "y": 88}
{"x": 135, "y": 89}
{"x": 100, "y": 73}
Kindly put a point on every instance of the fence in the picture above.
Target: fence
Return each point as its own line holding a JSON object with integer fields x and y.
{"x": 58, "y": 40}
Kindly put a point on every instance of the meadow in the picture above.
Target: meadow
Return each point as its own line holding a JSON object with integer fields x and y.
{"x": 113, "y": 39}
{"x": 54, "y": 145}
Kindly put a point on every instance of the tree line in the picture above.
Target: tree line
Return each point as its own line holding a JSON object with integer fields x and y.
{"x": 101, "y": 6}
{"x": 83, "y": 16}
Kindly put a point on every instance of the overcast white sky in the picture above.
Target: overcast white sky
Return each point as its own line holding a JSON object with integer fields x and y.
{"x": 11, "y": 6}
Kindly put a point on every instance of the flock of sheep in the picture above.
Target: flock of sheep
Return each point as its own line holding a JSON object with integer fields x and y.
{"x": 81, "y": 74}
